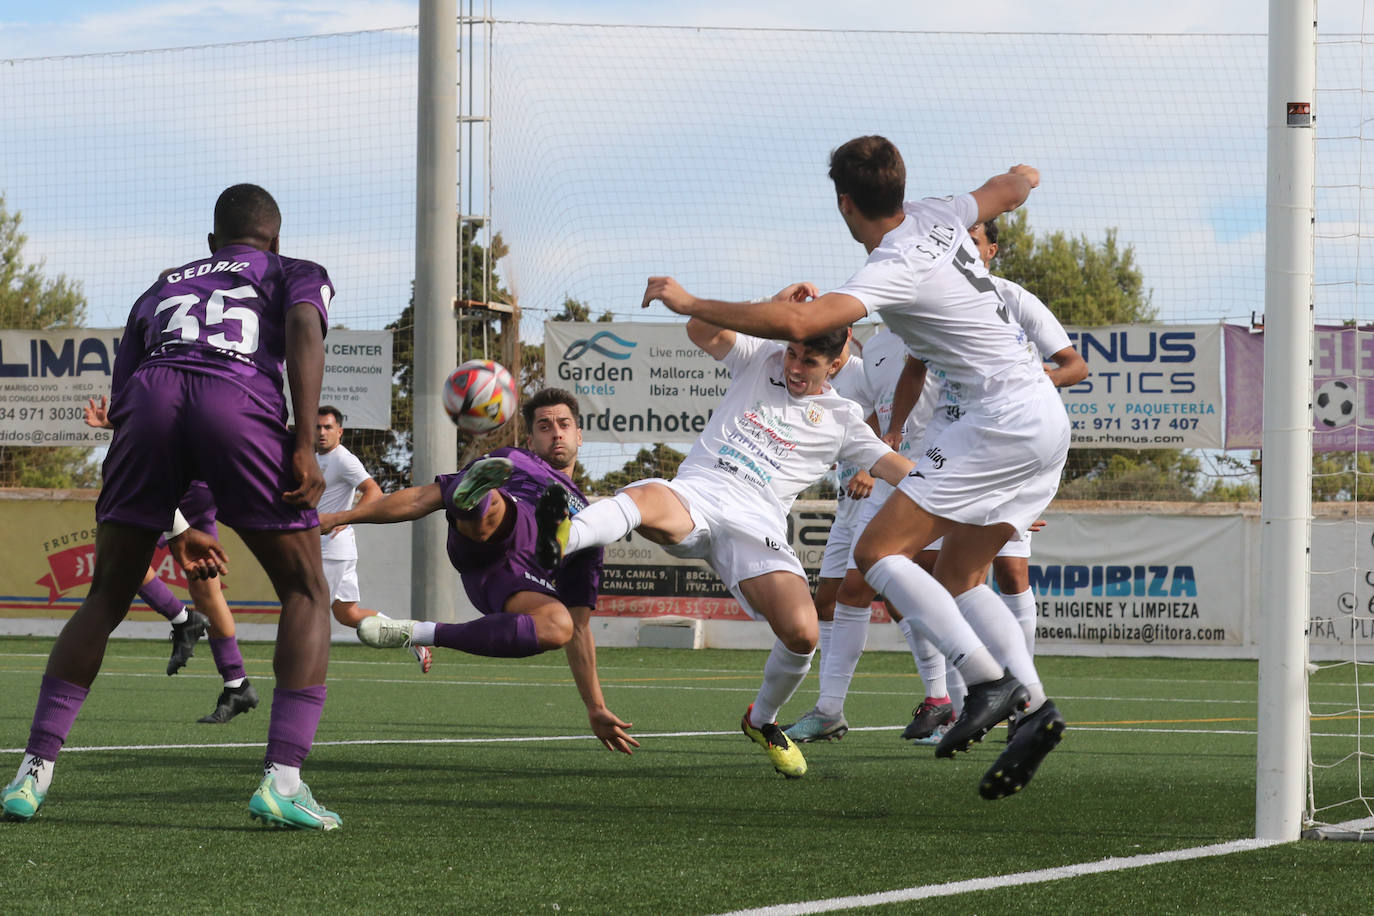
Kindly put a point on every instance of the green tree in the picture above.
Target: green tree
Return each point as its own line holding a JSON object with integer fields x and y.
{"x": 387, "y": 454}
{"x": 31, "y": 301}
{"x": 660, "y": 460}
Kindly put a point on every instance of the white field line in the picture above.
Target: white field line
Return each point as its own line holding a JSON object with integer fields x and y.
{"x": 1001, "y": 881}
{"x": 532, "y": 739}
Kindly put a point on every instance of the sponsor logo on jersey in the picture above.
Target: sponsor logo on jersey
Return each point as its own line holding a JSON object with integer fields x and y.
{"x": 771, "y": 544}
{"x": 773, "y": 381}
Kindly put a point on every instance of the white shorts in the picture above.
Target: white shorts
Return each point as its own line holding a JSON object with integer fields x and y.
{"x": 342, "y": 576}
{"x": 989, "y": 470}
{"x": 738, "y": 541}
{"x": 1011, "y": 548}
{"x": 839, "y": 545}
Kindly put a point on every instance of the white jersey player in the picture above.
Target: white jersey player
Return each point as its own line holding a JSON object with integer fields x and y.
{"x": 980, "y": 481}
{"x": 344, "y": 478}
{"x": 778, "y": 429}
{"x": 850, "y": 596}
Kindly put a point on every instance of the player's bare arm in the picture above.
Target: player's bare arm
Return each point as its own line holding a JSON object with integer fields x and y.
{"x": 908, "y": 391}
{"x": 785, "y": 319}
{"x": 1004, "y": 193}
{"x": 716, "y": 341}
{"x": 305, "y": 374}
{"x": 402, "y": 506}
{"x": 368, "y": 492}
{"x": 581, "y": 651}
{"x": 1070, "y": 368}
{"x": 892, "y": 467}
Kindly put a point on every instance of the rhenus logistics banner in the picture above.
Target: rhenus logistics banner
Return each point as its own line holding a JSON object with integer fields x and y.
{"x": 1151, "y": 385}
{"x": 47, "y": 377}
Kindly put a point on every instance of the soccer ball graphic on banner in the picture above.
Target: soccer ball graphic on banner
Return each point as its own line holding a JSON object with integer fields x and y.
{"x": 1334, "y": 405}
{"x": 480, "y": 396}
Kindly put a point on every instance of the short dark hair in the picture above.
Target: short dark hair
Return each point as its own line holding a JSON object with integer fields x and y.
{"x": 547, "y": 397}
{"x": 990, "y": 231}
{"x": 830, "y": 344}
{"x": 333, "y": 412}
{"x": 871, "y": 171}
{"x": 246, "y": 213}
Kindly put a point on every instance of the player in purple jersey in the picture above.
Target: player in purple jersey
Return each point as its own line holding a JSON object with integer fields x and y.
{"x": 196, "y": 395}
{"x": 211, "y": 614}
{"x": 490, "y": 510}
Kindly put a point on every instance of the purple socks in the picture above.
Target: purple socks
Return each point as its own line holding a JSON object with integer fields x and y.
{"x": 295, "y": 716}
{"x": 160, "y": 598}
{"x": 495, "y": 636}
{"x": 58, "y": 703}
{"x": 228, "y": 659}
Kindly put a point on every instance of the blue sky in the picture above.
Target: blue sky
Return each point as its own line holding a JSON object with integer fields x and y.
{"x": 29, "y": 29}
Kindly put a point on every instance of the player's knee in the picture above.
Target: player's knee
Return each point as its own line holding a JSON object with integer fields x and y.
{"x": 554, "y": 631}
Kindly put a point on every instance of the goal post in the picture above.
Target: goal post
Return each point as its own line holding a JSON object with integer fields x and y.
{"x": 1286, "y": 481}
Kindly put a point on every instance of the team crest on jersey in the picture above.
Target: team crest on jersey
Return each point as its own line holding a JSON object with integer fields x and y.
{"x": 814, "y": 414}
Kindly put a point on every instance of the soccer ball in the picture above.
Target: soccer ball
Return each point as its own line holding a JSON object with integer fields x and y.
{"x": 1334, "y": 405}
{"x": 480, "y": 396}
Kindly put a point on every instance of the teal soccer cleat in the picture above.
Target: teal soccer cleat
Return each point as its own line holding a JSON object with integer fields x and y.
{"x": 299, "y": 811}
{"x": 22, "y": 799}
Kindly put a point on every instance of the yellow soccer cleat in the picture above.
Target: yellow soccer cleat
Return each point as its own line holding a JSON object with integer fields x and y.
{"x": 786, "y": 757}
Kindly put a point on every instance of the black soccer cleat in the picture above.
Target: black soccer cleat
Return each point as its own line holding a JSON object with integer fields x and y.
{"x": 232, "y": 701}
{"x": 552, "y": 523}
{"x": 1036, "y": 735}
{"x": 184, "y": 636}
{"x": 926, "y": 718}
{"x": 986, "y": 704}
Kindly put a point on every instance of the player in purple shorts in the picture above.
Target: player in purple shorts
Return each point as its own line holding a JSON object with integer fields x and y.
{"x": 490, "y": 510}
{"x": 211, "y": 614}
{"x": 196, "y": 394}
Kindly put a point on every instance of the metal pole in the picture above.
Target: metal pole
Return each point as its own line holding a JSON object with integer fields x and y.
{"x": 1286, "y": 512}
{"x": 433, "y": 586}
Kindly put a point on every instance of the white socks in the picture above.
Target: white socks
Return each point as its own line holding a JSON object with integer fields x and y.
{"x": 932, "y": 612}
{"x": 39, "y": 769}
{"x": 849, "y": 633}
{"x": 423, "y": 634}
{"x": 930, "y": 665}
{"x": 288, "y": 779}
{"x": 1000, "y": 632}
{"x": 603, "y": 522}
{"x": 1022, "y": 607}
{"x": 181, "y": 618}
{"x": 782, "y": 675}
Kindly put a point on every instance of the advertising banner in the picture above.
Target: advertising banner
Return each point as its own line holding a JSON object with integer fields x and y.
{"x": 1140, "y": 580}
{"x": 1098, "y": 579}
{"x": 1151, "y": 386}
{"x": 49, "y": 550}
{"x": 46, "y": 378}
{"x": 1342, "y": 388}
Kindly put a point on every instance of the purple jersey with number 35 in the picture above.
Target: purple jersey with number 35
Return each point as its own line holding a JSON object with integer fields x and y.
{"x": 223, "y": 316}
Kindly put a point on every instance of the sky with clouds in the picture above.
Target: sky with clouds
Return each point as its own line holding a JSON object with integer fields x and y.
{"x": 29, "y": 29}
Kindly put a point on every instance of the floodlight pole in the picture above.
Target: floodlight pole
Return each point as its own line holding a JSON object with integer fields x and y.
{"x": 434, "y": 443}
{"x": 1286, "y": 511}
